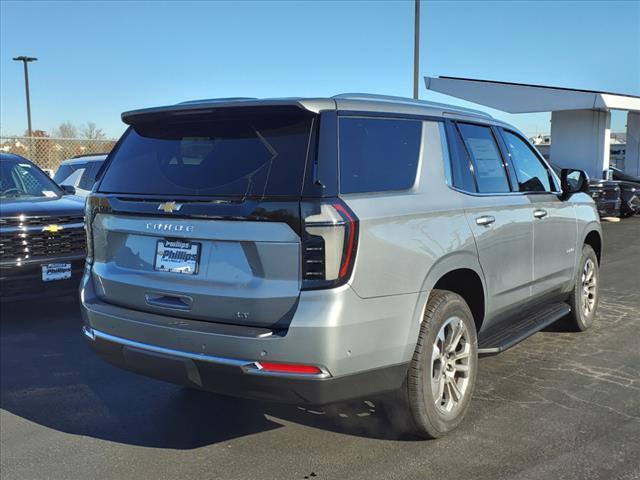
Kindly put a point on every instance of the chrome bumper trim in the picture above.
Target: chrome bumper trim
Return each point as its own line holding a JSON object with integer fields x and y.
{"x": 250, "y": 367}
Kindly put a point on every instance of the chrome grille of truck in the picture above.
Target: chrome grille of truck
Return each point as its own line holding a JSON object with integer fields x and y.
{"x": 24, "y": 221}
{"x": 28, "y": 238}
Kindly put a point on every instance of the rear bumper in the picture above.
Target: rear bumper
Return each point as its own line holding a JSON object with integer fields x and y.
{"x": 228, "y": 377}
{"x": 25, "y": 282}
{"x": 362, "y": 346}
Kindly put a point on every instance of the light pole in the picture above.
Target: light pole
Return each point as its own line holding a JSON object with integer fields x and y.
{"x": 416, "y": 49}
{"x": 25, "y": 61}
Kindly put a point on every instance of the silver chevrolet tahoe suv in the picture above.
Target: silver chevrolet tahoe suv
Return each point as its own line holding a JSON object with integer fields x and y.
{"x": 314, "y": 250}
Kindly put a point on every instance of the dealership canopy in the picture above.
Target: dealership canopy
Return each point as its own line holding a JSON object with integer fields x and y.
{"x": 580, "y": 119}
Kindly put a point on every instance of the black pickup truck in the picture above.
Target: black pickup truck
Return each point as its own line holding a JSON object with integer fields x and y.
{"x": 42, "y": 237}
{"x": 605, "y": 193}
{"x": 629, "y": 191}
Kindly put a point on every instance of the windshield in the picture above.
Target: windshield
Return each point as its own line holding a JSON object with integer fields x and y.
{"x": 22, "y": 180}
{"x": 240, "y": 155}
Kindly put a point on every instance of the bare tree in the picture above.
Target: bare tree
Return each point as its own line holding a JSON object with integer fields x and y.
{"x": 92, "y": 132}
{"x": 66, "y": 130}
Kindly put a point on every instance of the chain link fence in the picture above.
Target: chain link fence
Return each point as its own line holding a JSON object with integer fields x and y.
{"x": 47, "y": 152}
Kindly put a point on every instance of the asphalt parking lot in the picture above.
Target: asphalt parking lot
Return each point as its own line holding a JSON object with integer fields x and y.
{"x": 559, "y": 405}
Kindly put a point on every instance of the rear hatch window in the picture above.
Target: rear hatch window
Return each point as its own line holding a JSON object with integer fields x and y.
{"x": 257, "y": 154}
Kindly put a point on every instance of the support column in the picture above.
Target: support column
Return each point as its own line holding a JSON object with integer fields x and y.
{"x": 581, "y": 139}
{"x": 632, "y": 155}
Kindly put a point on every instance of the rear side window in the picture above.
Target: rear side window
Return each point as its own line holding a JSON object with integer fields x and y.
{"x": 256, "y": 154}
{"x": 532, "y": 174}
{"x": 481, "y": 145}
{"x": 378, "y": 155}
{"x": 74, "y": 178}
{"x": 89, "y": 175}
{"x": 65, "y": 171}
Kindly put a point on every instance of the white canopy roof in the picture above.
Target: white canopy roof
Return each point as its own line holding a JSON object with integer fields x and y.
{"x": 524, "y": 98}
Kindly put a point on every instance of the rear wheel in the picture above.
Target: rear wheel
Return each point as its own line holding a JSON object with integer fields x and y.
{"x": 584, "y": 297}
{"x": 441, "y": 376}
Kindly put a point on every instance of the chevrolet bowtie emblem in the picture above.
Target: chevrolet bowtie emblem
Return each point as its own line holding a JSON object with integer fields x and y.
{"x": 52, "y": 228}
{"x": 169, "y": 207}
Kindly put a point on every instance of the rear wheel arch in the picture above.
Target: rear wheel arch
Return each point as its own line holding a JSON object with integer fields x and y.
{"x": 468, "y": 284}
{"x": 443, "y": 273}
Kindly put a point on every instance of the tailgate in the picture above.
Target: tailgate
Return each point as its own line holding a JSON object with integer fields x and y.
{"x": 240, "y": 272}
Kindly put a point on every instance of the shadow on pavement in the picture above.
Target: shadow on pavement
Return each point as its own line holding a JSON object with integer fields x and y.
{"x": 48, "y": 375}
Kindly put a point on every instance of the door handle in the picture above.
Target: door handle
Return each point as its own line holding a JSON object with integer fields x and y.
{"x": 539, "y": 213}
{"x": 168, "y": 301}
{"x": 485, "y": 220}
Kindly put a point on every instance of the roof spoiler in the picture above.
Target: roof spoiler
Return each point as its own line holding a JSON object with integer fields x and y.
{"x": 194, "y": 107}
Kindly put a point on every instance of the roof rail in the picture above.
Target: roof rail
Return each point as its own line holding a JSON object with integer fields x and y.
{"x": 82, "y": 155}
{"x": 377, "y": 96}
{"x": 212, "y": 100}
{"x": 410, "y": 101}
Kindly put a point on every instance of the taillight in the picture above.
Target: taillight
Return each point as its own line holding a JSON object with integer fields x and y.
{"x": 288, "y": 368}
{"x": 329, "y": 243}
{"x": 93, "y": 206}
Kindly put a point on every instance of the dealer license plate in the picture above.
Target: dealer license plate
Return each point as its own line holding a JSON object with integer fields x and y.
{"x": 56, "y": 271}
{"x": 177, "y": 256}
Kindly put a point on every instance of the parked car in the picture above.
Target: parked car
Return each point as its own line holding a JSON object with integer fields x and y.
{"x": 42, "y": 237}
{"x": 605, "y": 193}
{"x": 80, "y": 172}
{"x": 629, "y": 192}
{"x": 318, "y": 250}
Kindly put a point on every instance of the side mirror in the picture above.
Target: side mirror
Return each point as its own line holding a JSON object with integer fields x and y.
{"x": 68, "y": 189}
{"x": 573, "y": 181}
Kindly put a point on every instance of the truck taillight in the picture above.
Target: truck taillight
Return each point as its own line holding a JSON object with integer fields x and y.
{"x": 329, "y": 244}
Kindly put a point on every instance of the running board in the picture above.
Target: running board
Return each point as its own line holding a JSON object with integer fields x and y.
{"x": 501, "y": 337}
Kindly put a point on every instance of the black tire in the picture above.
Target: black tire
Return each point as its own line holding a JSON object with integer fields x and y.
{"x": 581, "y": 319}
{"x": 424, "y": 415}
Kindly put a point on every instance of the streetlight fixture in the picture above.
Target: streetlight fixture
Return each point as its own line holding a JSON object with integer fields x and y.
{"x": 25, "y": 61}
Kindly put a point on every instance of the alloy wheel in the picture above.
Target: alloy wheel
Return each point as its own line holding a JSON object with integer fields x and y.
{"x": 589, "y": 287}
{"x": 450, "y": 365}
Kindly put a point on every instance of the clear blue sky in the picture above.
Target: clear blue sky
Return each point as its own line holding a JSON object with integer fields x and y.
{"x": 97, "y": 59}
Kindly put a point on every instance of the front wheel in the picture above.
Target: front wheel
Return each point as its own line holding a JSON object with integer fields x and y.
{"x": 442, "y": 373}
{"x": 584, "y": 297}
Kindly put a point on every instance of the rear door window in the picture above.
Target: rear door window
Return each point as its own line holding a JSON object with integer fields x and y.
{"x": 233, "y": 154}
{"x": 461, "y": 166}
{"x": 377, "y": 154}
{"x": 481, "y": 145}
{"x": 532, "y": 175}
